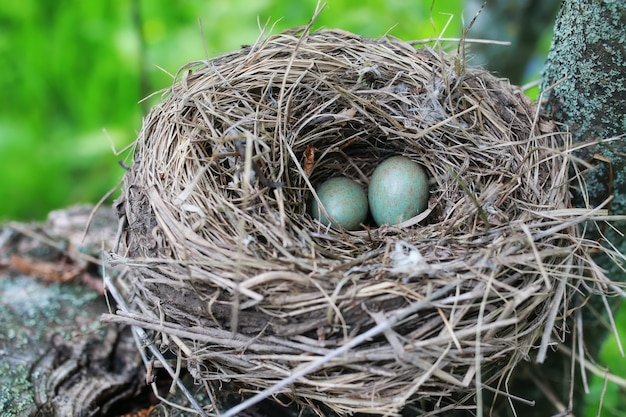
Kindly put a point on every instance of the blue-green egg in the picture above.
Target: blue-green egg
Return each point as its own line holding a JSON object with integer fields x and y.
{"x": 398, "y": 191}
{"x": 344, "y": 200}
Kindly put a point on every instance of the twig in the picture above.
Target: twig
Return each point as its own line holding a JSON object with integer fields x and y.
{"x": 313, "y": 366}
{"x": 110, "y": 287}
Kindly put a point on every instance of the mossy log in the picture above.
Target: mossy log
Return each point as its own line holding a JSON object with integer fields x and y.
{"x": 56, "y": 357}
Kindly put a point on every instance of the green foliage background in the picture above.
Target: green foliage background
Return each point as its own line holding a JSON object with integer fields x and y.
{"x": 73, "y": 73}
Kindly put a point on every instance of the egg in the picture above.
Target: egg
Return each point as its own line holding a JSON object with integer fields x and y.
{"x": 398, "y": 190}
{"x": 344, "y": 200}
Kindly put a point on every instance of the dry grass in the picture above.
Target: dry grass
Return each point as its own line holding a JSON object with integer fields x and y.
{"x": 223, "y": 265}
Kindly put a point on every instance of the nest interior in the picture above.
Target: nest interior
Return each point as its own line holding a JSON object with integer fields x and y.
{"x": 224, "y": 263}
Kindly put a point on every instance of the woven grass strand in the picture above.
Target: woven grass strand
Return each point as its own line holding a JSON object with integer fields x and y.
{"x": 219, "y": 250}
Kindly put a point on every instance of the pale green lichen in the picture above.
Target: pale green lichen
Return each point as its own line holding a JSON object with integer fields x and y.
{"x": 32, "y": 312}
{"x": 16, "y": 399}
{"x": 587, "y": 86}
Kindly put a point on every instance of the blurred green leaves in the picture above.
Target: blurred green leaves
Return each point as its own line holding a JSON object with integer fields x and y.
{"x": 63, "y": 79}
{"x": 613, "y": 398}
{"x": 73, "y": 73}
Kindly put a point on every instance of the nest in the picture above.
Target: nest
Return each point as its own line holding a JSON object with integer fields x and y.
{"x": 225, "y": 266}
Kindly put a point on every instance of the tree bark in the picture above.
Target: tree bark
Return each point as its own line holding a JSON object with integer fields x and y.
{"x": 584, "y": 88}
{"x": 56, "y": 357}
{"x": 584, "y": 83}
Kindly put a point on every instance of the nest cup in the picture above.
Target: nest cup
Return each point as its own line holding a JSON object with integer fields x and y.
{"x": 228, "y": 269}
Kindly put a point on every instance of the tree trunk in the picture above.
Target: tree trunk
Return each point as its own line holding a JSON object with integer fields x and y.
{"x": 584, "y": 88}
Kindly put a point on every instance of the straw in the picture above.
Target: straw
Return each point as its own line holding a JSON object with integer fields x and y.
{"x": 224, "y": 263}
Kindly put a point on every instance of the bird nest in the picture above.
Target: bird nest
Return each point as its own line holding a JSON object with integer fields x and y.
{"x": 226, "y": 267}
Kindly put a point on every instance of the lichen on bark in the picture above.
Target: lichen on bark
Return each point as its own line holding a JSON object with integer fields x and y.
{"x": 32, "y": 312}
{"x": 584, "y": 88}
{"x": 584, "y": 83}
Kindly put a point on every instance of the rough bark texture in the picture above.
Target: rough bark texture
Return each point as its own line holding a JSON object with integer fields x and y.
{"x": 585, "y": 86}
{"x": 585, "y": 81}
{"x": 56, "y": 357}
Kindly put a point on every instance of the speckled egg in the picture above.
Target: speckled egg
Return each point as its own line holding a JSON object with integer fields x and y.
{"x": 398, "y": 190}
{"x": 344, "y": 200}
